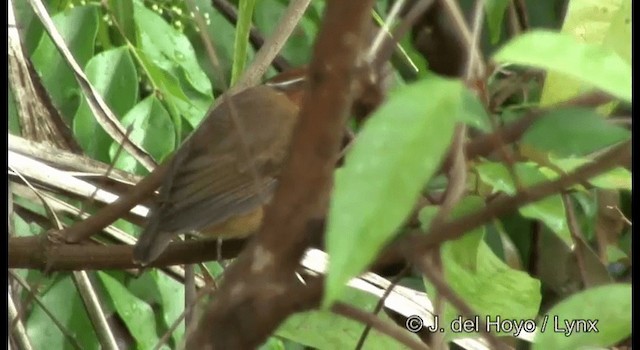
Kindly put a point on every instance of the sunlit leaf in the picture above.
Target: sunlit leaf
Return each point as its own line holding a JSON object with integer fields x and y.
{"x": 600, "y": 67}
{"x": 597, "y": 22}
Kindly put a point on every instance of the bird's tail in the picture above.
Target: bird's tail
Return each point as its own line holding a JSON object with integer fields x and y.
{"x": 151, "y": 243}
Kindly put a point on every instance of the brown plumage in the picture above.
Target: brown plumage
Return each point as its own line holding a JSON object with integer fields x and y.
{"x": 211, "y": 186}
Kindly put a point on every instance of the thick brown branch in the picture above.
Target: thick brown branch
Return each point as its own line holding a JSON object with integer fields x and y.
{"x": 260, "y": 289}
{"x": 36, "y": 252}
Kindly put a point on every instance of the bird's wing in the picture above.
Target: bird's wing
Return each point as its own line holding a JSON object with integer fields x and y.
{"x": 228, "y": 167}
{"x": 206, "y": 191}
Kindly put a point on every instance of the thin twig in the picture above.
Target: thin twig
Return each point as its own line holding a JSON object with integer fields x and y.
{"x": 474, "y": 60}
{"x": 18, "y": 332}
{"x": 457, "y": 18}
{"x": 93, "y": 307}
{"x": 426, "y": 267}
{"x": 576, "y": 236}
{"x": 189, "y": 294}
{"x": 457, "y": 176}
{"x": 90, "y": 200}
{"x": 391, "y": 329}
{"x": 523, "y": 16}
{"x": 622, "y": 216}
{"x": 384, "y": 51}
{"x": 272, "y": 46}
{"x": 187, "y": 310}
{"x": 377, "y": 44}
{"x": 437, "y": 339}
{"x": 380, "y": 304}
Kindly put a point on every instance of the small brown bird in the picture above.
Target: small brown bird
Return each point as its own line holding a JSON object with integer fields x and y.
{"x": 223, "y": 175}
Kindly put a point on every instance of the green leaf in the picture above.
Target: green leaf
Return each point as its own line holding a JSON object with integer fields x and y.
{"x": 324, "y": 329}
{"x": 157, "y": 288}
{"x": 573, "y": 132}
{"x": 31, "y": 29}
{"x": 135, "y": 313}
{"x": 473, "y": 112}
{"x": 552, "y": 213}
{"x": 169, "y": 49}
{"x": 615, "y": 254}
{"x": 397, "y": 152}
{"x": 549, "y": 210}
{"x": 495, "y": 10}
{"x": 489, "y": 286}
{"x": 518, "y": 229}
{"x": 618, "y": 36}
{"x": 426, "y": 214}
{"x": 194, "y": 110}
{"x": 78, "y": 27}
{"x": 592, "y": 64}
{"x": 597, "y": 22}
{"x": 497, "y": 176}
{"x": 113, "y": 74}
{"x": 615, "y": 179}
{"x": 122, "y": 11}
{"x": 608, "y": 306}
{"x": 223, "y": 31}
{"x": 172, "y": 301}
{"x": 241, "y": 44}
{"x": 590, "y": 20}
{"x": 152, "y": 129}
{"x": 192, "y": 107}
{"x": 274, "y": 343}
{"x": 63, "y": 301}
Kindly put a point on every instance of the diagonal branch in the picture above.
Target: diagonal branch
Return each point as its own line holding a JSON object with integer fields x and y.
{"x": 274, "y": 43}
{"x": 505, "y": 204}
